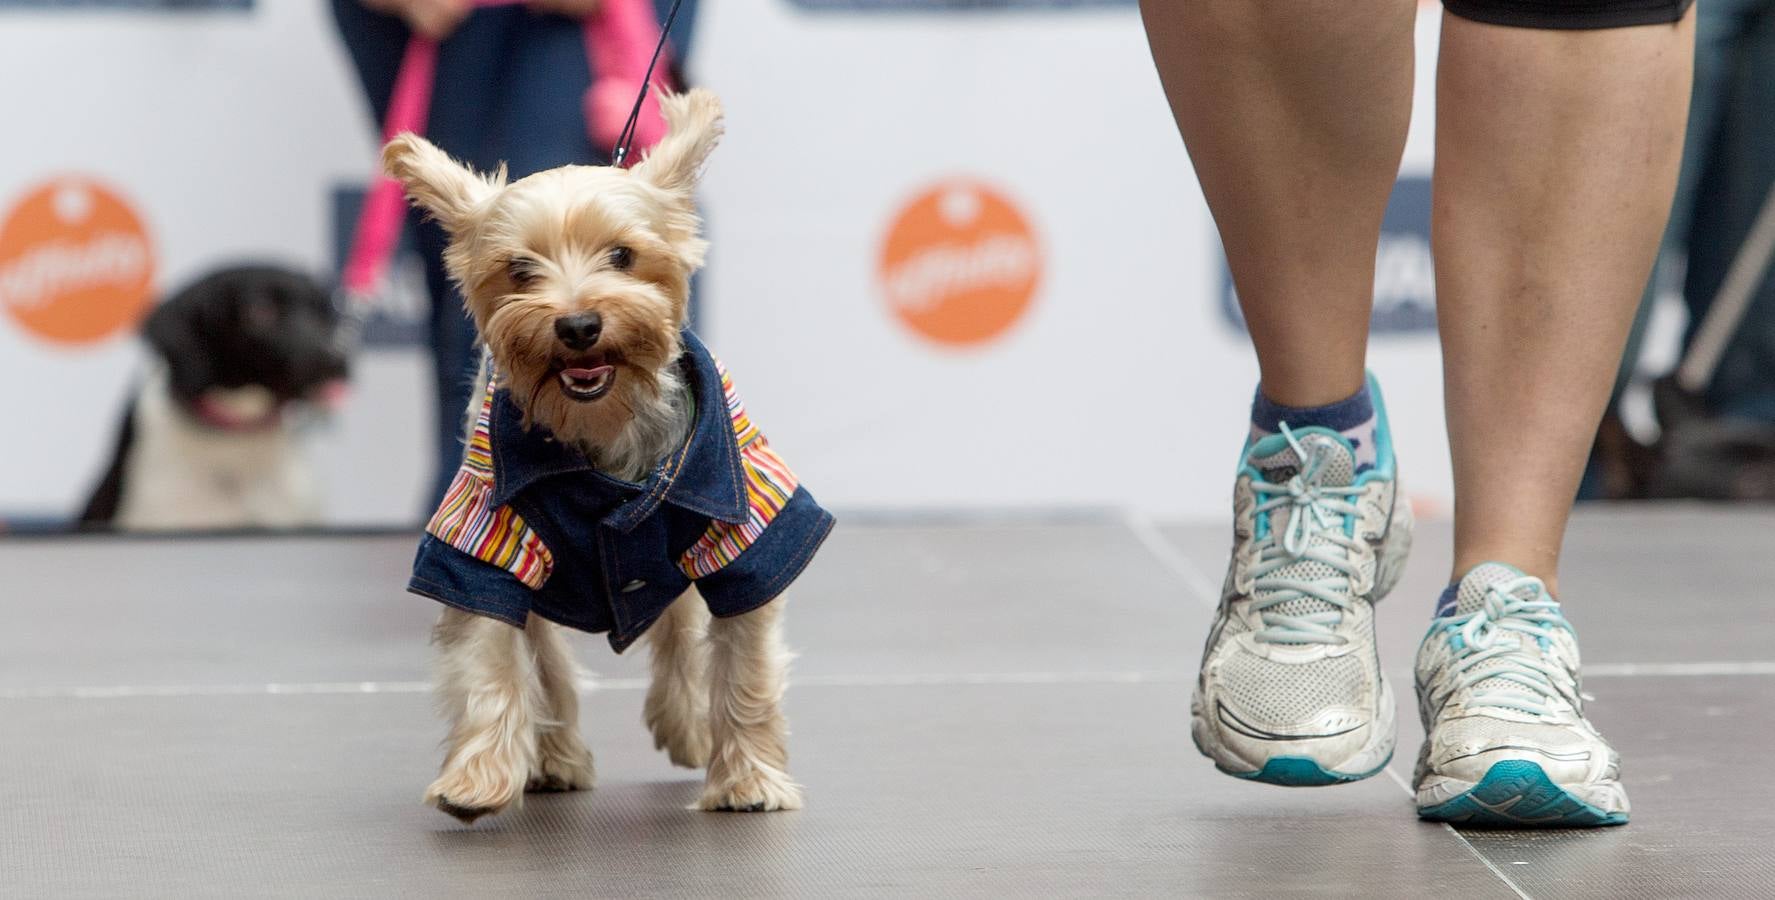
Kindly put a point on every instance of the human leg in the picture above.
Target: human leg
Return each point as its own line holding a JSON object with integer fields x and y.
{"x": 1295, "y": 117}
{"x": 1557, "y": 153}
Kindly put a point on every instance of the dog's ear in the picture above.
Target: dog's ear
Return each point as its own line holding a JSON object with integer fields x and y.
{"x": 693, "y": 128}
{"x": 447, "y": 189}
{"x": 172, "y": 330}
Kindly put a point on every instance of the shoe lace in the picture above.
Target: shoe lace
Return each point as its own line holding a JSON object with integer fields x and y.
{"x": 1314, "y": 533}
{"x": 1530, "y": 682}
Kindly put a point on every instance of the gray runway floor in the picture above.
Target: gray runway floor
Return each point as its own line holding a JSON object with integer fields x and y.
{"x": 978, "y": 710}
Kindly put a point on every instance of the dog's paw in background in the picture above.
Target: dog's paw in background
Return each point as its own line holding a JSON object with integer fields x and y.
{"x": 680, "y": 726}
{"x": 750, "y": 788}
{"x": 677, "y": 709}
{"x": 562, "y": 764}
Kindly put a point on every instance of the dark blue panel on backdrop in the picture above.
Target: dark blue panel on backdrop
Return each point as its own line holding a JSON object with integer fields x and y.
{"x": 1404, "y": 278}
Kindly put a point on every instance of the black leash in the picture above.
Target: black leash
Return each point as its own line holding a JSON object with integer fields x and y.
{"x": 621, "y": 150}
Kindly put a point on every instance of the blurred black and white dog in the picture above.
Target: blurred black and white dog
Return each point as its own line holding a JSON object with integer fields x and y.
{"x": 209, "y": 439}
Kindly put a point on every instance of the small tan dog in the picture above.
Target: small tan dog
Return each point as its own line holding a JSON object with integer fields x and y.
{"x": 612, "y": 483}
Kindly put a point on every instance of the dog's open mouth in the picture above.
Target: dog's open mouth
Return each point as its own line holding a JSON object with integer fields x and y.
{"x": 588, "y": 380}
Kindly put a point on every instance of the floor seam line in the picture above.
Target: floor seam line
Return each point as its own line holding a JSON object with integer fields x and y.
{"x": 1508, "y": 882}
{"x": 1506, "y": 879}
{"x": 1167, "y": 555}
{"x": 936, "y": 679}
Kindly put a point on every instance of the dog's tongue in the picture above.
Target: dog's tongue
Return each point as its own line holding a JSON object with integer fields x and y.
{"x": 585, "y": 374}
{"x": 331, "y": 395}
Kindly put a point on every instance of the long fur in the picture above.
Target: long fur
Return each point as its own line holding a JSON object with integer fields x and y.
{"x": 717, "y": 685}
{"x": 749, "y": 669}
{"x": 562, "y": 761}
{"x": 489, "y": 689}
{"x": 657, "y": 426}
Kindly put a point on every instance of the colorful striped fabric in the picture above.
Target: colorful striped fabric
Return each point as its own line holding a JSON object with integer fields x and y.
{"x": 769, "y": 485}
{"x": 468, "y": 521}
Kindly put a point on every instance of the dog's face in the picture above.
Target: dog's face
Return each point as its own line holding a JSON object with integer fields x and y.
{"x": 249, "y": 331}
{"x": 578, "y": 277}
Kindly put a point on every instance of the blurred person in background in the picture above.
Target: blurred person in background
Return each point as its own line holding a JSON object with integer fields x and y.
{"x": 1713, "y": 433}
{"x": 1734, "y": 124}
{"x": 1559, "y": 130}
{"x": 679, "y": 35}
{"x": 509, "y": 89}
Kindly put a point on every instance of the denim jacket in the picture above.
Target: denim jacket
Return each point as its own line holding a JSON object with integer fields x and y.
{"x": 529, "y": 526}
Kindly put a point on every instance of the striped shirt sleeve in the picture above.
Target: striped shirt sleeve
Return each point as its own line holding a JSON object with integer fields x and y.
{"x": 468, "y": 521}
{"x": 769, "y": 485}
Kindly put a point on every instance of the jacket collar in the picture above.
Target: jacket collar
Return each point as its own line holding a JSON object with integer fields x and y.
{"x": 703, "y": 476}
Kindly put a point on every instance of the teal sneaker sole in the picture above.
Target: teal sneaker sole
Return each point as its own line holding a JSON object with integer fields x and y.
{"x": 1517, "y": 793}
{"x": 1296, "y": 771}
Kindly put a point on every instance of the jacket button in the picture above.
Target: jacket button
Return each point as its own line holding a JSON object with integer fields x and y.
{"x": 633, "y": 586}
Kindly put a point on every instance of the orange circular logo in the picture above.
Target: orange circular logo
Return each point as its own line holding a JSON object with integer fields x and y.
{"x": 75, "y": 262}
{"x": 960, "y": 264}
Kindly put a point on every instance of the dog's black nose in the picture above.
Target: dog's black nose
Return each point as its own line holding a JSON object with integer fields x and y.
{"x": 579, "y": 331}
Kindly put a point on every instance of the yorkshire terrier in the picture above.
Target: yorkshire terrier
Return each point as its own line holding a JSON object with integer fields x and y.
{"x": 612, "y": 482}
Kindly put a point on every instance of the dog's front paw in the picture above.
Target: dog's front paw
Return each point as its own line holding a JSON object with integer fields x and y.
{"x": 563, "y": 764}
{"x": 469, "y": 792}
{"x": 755, "y": 789}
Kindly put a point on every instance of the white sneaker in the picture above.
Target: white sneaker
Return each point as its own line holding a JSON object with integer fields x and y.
{"x": 1291, "y": 691}
{"x": 1498, "y": 690}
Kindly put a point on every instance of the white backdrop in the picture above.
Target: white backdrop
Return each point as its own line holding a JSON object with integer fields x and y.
{"x": 1122, "y": 385}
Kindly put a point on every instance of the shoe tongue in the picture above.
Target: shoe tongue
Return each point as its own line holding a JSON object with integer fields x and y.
{"x": 1276, "y": 459}
{"x": 1278, "y": 462}
{"x": 1470, "y": 595}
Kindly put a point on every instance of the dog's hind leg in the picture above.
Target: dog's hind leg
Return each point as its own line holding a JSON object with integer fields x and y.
{"x": 488, "y": 686}
{"x": 749, "y": 667}
{"x": 677, "y": 710}
{"x": 562, "y": 761}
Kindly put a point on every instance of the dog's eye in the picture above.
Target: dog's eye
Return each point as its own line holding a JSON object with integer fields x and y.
{"x": 622, "y": 258}
{"x": 522, "y": 271}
